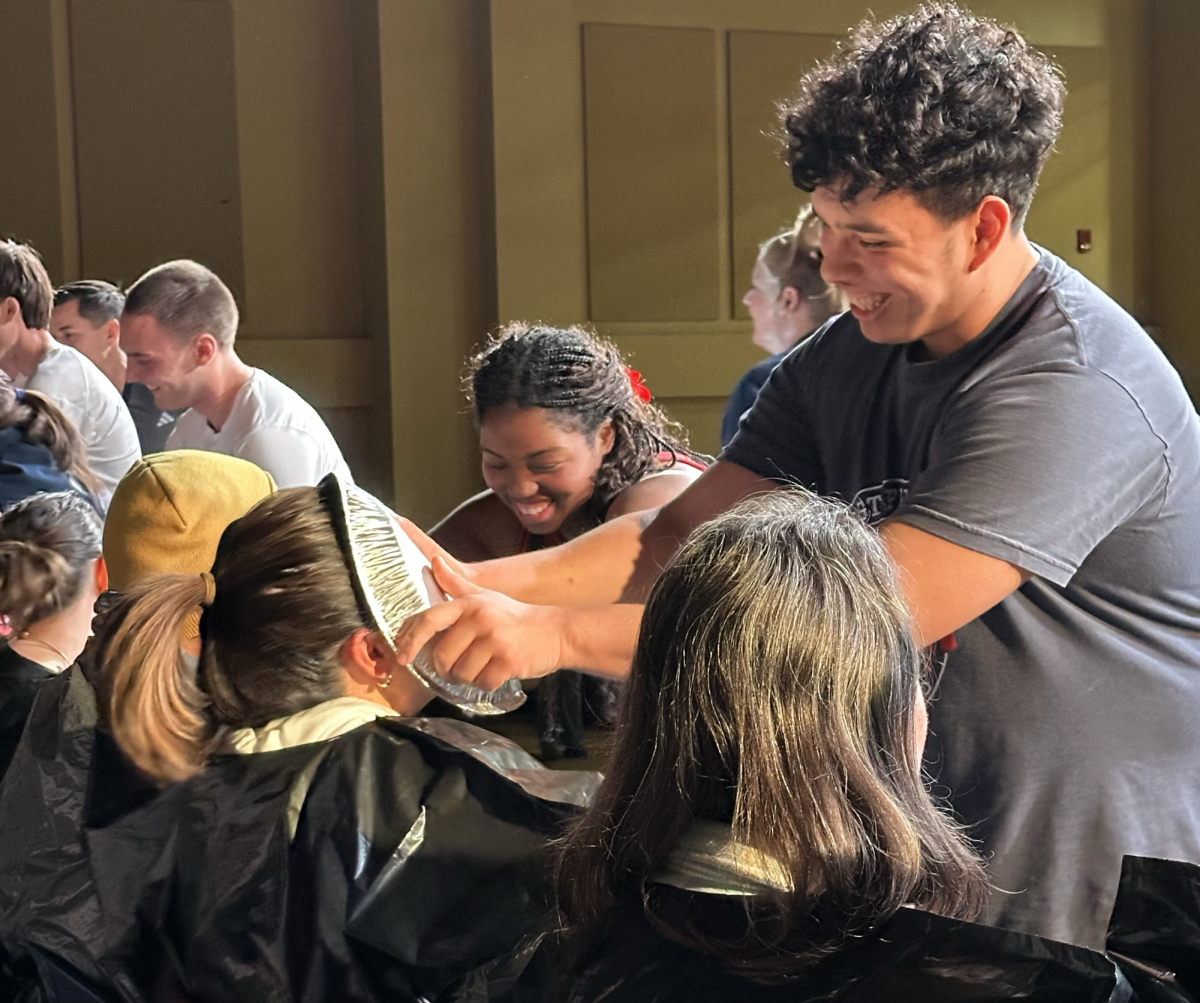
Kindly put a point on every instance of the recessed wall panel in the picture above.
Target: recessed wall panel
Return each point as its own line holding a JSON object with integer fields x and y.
{"x": 764, "y": 69}
{"x": 156, "y": 136}
{"x": 650, "y": 125}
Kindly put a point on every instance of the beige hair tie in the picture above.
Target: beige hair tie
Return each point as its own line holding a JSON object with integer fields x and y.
{"x": 210, "y": 588}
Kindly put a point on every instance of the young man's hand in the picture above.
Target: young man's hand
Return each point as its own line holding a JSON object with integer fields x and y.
{"x": 482, "y": 637}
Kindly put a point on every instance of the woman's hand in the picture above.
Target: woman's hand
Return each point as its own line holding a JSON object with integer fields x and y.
{"x": 480, "y": 637}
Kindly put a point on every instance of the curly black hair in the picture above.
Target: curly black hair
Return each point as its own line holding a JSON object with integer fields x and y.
{"x": 941, "y": 103}
{"x": 581, "y": 380}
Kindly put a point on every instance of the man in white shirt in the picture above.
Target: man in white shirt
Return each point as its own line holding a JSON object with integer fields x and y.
{"x": 35, "y": 361}
{"x": 177, "y": 332}
{"x": 87, "y": 318}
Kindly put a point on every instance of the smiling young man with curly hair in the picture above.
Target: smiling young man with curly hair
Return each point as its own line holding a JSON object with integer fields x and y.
{"x": 1031, "y": 459}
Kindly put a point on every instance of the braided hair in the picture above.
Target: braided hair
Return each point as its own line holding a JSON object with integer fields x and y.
{"x": 581, "y": 380}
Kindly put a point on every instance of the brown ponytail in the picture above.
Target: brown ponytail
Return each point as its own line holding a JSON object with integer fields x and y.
{"x": 48, "y": 543}
{"x": 272, "y": 638}
{"x": 45, "y": 425}
{"x": 157, "y": 711}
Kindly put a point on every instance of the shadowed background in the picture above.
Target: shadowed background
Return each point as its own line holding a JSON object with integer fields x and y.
{"x": 381, "y": 182}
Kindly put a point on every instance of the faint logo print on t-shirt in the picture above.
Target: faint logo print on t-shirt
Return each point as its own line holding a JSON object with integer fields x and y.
{"x": 876, "y": 503}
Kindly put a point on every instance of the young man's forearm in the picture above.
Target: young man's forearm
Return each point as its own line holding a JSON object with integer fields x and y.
{"x": 601, "y": 640}
{"x": 590, "y": 570}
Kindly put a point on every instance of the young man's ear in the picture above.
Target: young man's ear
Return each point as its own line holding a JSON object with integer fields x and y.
{"x": 992, "y": 219}
{"x": 10, "y": 309}
{"x": 205, "y": 347}
{"x": 112, "y": 333}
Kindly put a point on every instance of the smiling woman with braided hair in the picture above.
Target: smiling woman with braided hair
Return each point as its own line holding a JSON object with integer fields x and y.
{"x": 570, "y": 439}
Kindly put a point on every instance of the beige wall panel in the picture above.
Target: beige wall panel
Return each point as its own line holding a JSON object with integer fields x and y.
{"x": 37, "y": 184}
{"x": 326, "y": 372}
{"x": 685, "y": 361}
{"x": 763, "y": 70}
{"x": 437, "y": 192}
{"x": 1129, "y": 156}
{"x": 1063, "y": 22}
{"x": 541, "y": 240}
{"x": 353, "y": 428}
{"x": 156, "y": 136}
{"x": 1175, "y": 159}
{"x": 295, "y": 116}
{"x": 1074, "y": 189}
{"x": 650, "y": 120}
{"x": 700, "y": 417}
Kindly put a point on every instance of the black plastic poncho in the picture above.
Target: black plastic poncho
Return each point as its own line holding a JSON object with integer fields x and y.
{"x": 417, "y": 856}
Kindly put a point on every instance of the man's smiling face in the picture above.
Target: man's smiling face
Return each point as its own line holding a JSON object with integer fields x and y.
{"x": 166, "y": 366}
{"x": 906, "y": 271}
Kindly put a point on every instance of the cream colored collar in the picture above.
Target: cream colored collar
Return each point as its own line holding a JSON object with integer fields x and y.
{"x": 315, "y": 724}
{"x": 709, "y": 860}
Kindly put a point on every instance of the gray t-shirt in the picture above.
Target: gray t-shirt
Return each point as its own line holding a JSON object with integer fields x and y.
{"x": 1066, "y": 725}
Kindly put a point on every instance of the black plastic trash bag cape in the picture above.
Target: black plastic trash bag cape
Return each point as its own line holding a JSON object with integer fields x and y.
{"x": 1152, "y": 956}
{"x": 1154, "y": 932}
{"x": 915, "y": 957}
{"x": 413, "y": 862}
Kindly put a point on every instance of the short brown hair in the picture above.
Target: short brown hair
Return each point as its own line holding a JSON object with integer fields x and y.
{"x": 187, "y": 299}
{"x": 23, "y": 277}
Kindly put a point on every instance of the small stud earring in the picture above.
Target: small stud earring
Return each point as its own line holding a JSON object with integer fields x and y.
{"x": 387, "y": 681}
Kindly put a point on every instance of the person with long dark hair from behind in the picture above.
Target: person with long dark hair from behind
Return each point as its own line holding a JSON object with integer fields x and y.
{"x": 40, "y": 450}
{"x": 763, "y": 819}
{"x": 570, "y": 439}
{"x": 51, "y": 572}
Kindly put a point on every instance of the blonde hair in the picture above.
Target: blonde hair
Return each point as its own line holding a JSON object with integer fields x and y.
{"x": 793, "y": 258}
{"x": 270, "y": 639}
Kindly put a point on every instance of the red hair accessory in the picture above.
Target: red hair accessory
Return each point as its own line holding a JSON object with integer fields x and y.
{"x": 640, "y": 390}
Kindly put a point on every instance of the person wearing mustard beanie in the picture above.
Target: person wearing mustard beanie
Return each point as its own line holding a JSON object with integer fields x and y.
{"x": 169, "y": 511}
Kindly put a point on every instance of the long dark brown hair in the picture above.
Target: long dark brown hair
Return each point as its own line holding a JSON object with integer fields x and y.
{"x": 581, "y": 380}
{"x": 775, "y": 688}
{"x": 45, "y": 425}
{"x": 270, "y": 640}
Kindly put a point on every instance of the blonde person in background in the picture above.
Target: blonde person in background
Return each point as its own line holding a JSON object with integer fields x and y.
{"x": 177, "y": 332}
{"x": 787, "y": 300}
{"x": 35, "y": 361}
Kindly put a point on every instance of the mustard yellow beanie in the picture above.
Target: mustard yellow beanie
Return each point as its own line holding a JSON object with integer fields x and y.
{"x": 170, "y": 509}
